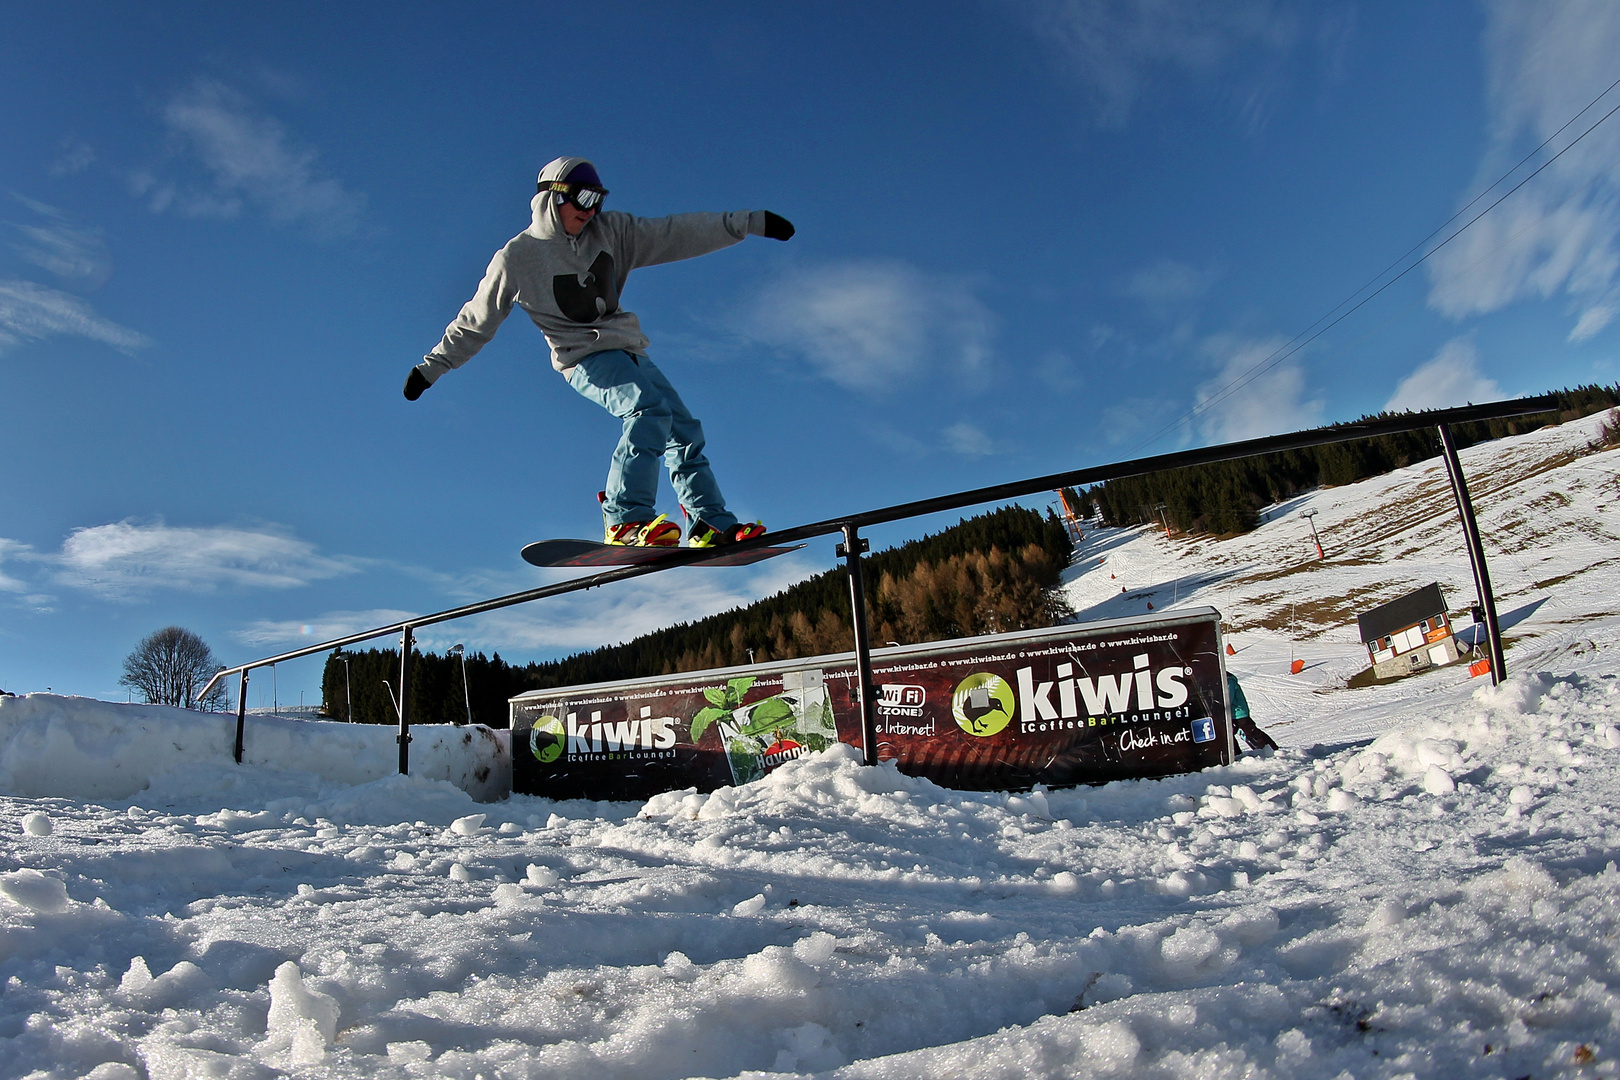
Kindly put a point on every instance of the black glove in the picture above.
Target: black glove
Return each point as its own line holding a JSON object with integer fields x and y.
{"x": 415, "y": 383}
{"x": 778, "y": 227}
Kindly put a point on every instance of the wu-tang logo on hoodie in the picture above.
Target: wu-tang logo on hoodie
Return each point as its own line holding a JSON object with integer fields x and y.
{"x": 589, "y": 296}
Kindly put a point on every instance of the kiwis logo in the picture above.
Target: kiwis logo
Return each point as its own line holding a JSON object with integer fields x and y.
{"x": 547, "y": 739}
{"x": 983, "y": 704}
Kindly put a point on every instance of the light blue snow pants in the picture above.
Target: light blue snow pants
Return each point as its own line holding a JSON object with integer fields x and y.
{"x": 656, "y": 425}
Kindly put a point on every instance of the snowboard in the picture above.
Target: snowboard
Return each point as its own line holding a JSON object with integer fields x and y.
{"x": 590, "y": 553}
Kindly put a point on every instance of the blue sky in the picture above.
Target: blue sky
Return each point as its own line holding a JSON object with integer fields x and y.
{"x": 1032, "y": 236}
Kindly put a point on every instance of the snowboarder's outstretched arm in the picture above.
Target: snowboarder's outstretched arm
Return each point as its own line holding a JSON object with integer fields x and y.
{"x": 650, "y": 241}
{"x": 470, "y": 331}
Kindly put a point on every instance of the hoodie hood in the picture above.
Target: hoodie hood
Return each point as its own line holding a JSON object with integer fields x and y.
{"x": 546, "y": 223}
{"x": 559, "y": 168}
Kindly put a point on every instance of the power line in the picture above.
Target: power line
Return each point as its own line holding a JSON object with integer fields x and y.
{"x": 1266, "y": 365}
{"x": 1306, "y": 336}
{"x": 1466, "y": 270}
{"x": 1484, "y": 192}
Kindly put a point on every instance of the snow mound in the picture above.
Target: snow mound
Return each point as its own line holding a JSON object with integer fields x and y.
{"x": 302, "y": 1021}
{"x": 834, "y": 780}
{"x": 1315, "y": 912}
{"x": 35, "y": 891}
{"x": 80, "y": 748}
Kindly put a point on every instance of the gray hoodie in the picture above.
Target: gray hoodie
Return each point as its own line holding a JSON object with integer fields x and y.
{"x": 570, "y": 285}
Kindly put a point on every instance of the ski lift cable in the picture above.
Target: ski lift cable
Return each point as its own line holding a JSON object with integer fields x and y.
{"x": 1295, "y": 344}
{"x": 1483, "y": 192}
{"x": 1290, "y": 348}
{"x": 1372, "y": 331}
{"x": 1286, "y": 351}
{"x": 1492, "y": 186}
{"x": 1464, "y": 271}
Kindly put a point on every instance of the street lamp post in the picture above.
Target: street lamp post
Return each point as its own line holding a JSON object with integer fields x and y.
{"x": 466, "y": 694}
{"x": 348, "y": 687}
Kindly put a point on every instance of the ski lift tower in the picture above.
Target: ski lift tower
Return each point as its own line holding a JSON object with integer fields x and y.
{"x": 1071, "y": 512}
{"x": 1310, "y": 516}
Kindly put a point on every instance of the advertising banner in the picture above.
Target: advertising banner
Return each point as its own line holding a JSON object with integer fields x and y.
{"x": 1076, "y": 704}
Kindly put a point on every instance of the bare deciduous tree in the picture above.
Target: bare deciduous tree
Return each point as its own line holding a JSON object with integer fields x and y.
{"x": 169, "y": 666}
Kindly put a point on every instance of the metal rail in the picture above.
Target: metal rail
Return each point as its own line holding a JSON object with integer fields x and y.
{"x": 851, "y": 524}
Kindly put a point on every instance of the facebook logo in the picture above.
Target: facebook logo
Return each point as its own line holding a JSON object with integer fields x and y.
{"x": 1203, "y": 730}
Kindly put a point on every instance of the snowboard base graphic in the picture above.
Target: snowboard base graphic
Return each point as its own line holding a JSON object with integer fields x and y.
{"x": 590, "y": 553}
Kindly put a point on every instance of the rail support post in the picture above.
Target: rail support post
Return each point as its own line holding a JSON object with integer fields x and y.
{"x": 241, "y": 713}
{"x": 850, "y": 551}
{"x": 1476, "y": 552}
{"x": 405, "y": 645}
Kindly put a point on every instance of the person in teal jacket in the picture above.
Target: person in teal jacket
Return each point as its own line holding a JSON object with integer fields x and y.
{"x": 1256, "y": 739}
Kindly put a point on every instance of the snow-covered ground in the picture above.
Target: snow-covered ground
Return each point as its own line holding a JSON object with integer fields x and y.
{"x": 1421, "y": 883}
{"x": 85, "y": 749}
{"x": 1549, "y": 519}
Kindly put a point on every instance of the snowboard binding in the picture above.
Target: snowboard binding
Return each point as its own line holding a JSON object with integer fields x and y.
{"x": 704, "y": 535}
{"x": 659, "y": 532}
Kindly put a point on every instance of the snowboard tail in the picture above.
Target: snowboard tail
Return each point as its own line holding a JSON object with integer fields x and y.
{"x": 589, "y": 553}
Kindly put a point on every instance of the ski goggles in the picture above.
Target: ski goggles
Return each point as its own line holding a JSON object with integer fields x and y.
{"x": 581, "y": 198}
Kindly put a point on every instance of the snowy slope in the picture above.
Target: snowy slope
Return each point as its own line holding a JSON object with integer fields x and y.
{"x": 1549, "y": 518}
{"x": 1421, "y": 883}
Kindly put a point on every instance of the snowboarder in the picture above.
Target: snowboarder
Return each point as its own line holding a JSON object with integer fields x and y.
{"x": 1257, "y": 739}
{"x": 567, "y": 270}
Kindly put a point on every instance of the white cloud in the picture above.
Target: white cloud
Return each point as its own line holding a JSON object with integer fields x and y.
{"x": 1451, "y": 378}
{"x": 34, "y": 312}
{"x": 17, "y": 552}
{"x": 596, "y": 617}
{"x": 327, "y": 627}
{"x": 962, "y": 438}
{"x": 1059, "y": 372}
{"x": 126, "y": 559}
{"x": 1118, "y": 48}
{"x": 569, "y": 622}
{"x": 1268, "y": 403}
{"x": 1557, "y": 235}
{"x": 250, "y": 160}
{"x": 1129, "y": 420}
{"x": 969, "y": 441}
{"x": 65, "y": 248}
{"x": 1596, "y": 317}
{"x": 12, "y": 550}
{"x": 75, "y": 156}
{"x": 869, "y": 325}
{"x": 1168, "y": 283}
